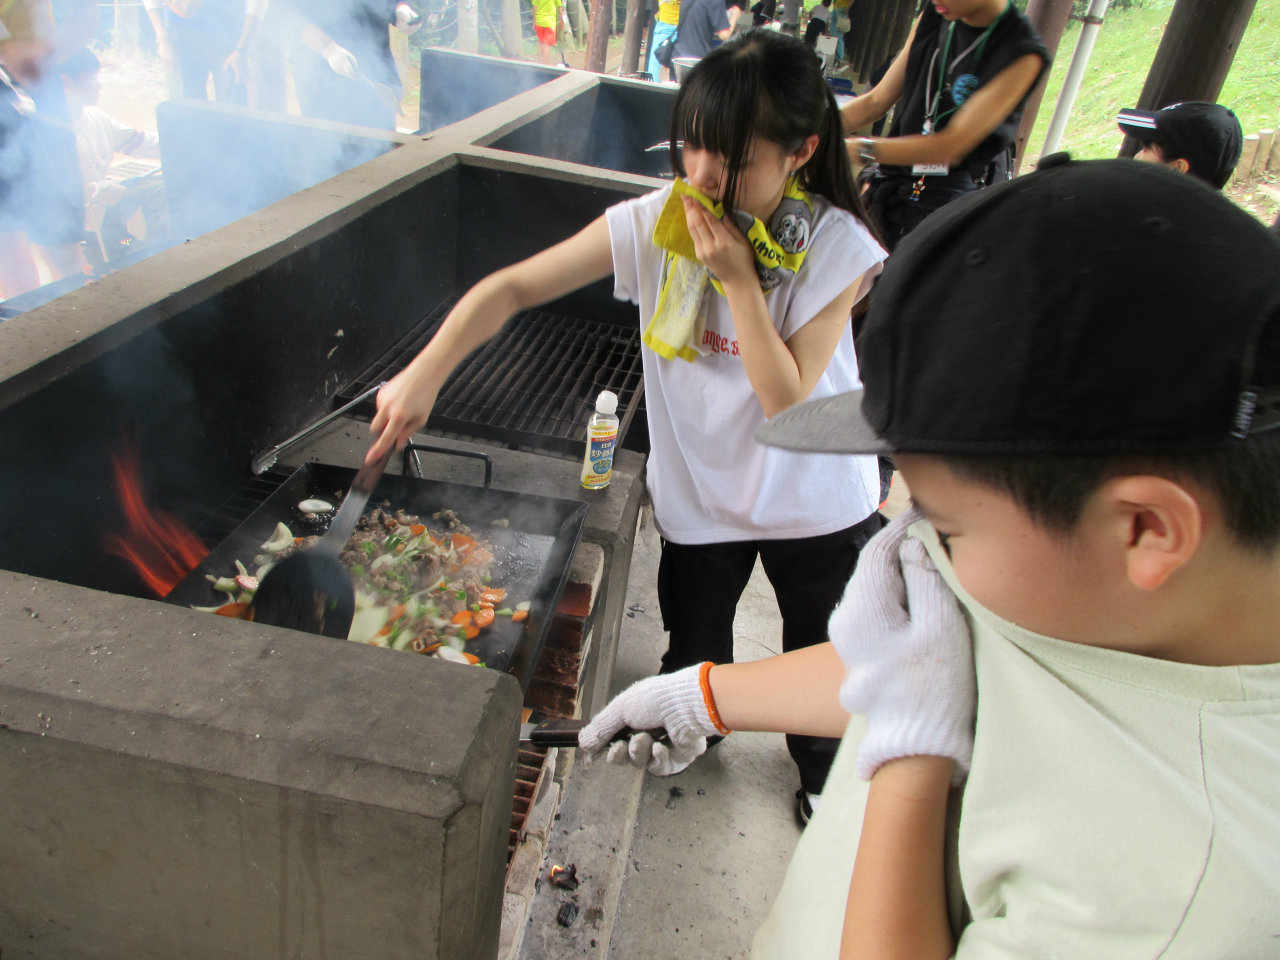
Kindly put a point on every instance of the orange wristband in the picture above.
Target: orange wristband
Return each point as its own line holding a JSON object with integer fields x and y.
{"x": 708, "y": 699}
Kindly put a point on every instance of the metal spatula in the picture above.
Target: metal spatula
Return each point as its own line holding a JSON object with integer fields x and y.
{"x": 311, "y": 590}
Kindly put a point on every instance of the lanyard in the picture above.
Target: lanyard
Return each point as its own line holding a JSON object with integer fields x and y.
{"x": 931, "y": 98}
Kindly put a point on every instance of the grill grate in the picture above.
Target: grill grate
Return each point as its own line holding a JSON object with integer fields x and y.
{"x": 233, "y": 511}
{"x": 533, "y": 386}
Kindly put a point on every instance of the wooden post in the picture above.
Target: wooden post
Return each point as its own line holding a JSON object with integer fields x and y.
{"x": 1273, "y": 158}
{"x": 1194, "y": 55}
{"x": 632, "y": 35}
{"x": 1049, "y": 18}
{"x": 873, "y": 28}
{"x": 512, "y": 42}
{"x": 469, "y": 26}
{"x": 861, "y": 15}
{"x": 901, "y": 26}
{"x": 598, "y": 35}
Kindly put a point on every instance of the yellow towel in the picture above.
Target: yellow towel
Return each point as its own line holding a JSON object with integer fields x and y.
{"x": 678, "y": 321}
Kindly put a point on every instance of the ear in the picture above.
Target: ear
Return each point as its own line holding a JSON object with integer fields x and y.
{"x": 1179, "y": 165}
{"x": 1159, "y": 523}
{"x": 801, "y": 156}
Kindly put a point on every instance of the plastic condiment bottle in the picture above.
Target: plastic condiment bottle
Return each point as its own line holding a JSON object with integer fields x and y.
{"x": 602, "y": 435}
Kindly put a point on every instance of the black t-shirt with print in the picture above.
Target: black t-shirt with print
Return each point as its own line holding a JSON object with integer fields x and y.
{"x": 1011, "y": 37}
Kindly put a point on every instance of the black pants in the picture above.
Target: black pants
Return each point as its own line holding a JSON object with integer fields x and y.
{"x": 699, "y": 587}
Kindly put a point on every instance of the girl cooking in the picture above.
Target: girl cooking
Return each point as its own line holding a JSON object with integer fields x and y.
{"x": 745, "y": 314}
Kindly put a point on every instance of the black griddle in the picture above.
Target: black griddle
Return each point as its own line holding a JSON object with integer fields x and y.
{"x": 533, "y": 552}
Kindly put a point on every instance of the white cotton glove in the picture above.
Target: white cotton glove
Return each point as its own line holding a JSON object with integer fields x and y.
{"x": 407, "y": 20}
{"x": 340, "y": 60}
{"x": 908, "y": 653}
{"x": 674, "y": 702}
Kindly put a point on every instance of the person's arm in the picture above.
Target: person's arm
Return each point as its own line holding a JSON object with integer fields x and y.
{"x": 237, "y": 62}
{"x": 985, "y": 110}
{"x": 782, "y": 373}
{"x": 406, "y": 401}
{"x": 876, "y": 102}
{"x": 897, "y": 908}
{"x": 723, "y": 25}
{"x": 796, "y": 692}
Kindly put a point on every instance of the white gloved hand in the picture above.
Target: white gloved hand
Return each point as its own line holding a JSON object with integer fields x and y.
{"x": 407, "y": 20}
{"x": 675, "y": 702}
{"x": 908, "y": 653}
{"x": 340, "y": 60}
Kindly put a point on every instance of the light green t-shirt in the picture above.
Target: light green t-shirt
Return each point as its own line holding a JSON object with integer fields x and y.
{"x": 1118, "y": 806}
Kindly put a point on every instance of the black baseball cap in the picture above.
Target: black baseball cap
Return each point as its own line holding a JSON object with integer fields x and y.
{"x": 1206, "y": 135}
{"x": 1094, "y": 307}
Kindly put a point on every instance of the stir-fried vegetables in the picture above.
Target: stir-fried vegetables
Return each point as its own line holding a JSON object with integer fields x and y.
{"x": 417, "y": 588}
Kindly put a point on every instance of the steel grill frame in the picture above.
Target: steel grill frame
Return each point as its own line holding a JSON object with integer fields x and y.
{"x": 233, "y": 511}
{"x": 531, "y": 387}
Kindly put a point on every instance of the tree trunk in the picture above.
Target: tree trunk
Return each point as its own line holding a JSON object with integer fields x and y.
{"x": 1194, "y": 55}
{"x": 860, "y": 18}
{"x": 512, "y": 42}
{"x": 1049, "y": 18}
{"x": 598, "y": 35}
{"x": 632, "y": 37}
{"x": 469, "y": 26}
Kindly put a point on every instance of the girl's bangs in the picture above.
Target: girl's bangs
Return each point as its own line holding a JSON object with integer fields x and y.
{"x": 716, "y": 115}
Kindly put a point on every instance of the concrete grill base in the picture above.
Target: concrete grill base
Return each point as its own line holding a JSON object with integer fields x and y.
{"x": 205, "y": 790}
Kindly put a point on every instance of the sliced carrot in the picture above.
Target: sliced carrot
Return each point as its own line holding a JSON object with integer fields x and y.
{"x": 519, "y": 615}
{"x": 471, "y": 633}
{"x": 493, "y": 595}
{"x": 396, "y": 612}
{"x": 471, "y": 657}
{"x": 417, "y": 529}
{"x": 385, "y": 631}
{"x": 462, "y": 617}
{"x": 483, "y": 617}
{"x": 237, "y": 610}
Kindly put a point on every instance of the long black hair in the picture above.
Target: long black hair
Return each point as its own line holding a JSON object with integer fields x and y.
{"x": 769, "y": 85}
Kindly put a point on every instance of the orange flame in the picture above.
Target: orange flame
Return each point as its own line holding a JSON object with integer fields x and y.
{"x": 161, "y": 548}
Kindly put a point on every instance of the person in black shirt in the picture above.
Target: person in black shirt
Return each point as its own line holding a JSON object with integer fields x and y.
{"x": 959, "y": 85}
{"x": 702, "y": 23}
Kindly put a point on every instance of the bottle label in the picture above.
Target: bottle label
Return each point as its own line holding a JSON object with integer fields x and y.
{"x": 598, "y": 466}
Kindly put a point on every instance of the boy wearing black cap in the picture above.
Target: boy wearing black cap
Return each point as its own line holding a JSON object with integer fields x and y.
{"x": 1097, "y": 470}
{"x": 1195, "y": 137}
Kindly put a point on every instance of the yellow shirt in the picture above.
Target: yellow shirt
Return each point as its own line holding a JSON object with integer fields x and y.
{"x": 669, "y": 12}
{"x": 544, "y": 12}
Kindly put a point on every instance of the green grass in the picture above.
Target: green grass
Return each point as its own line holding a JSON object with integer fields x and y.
{"x": 1122, "y": 55}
